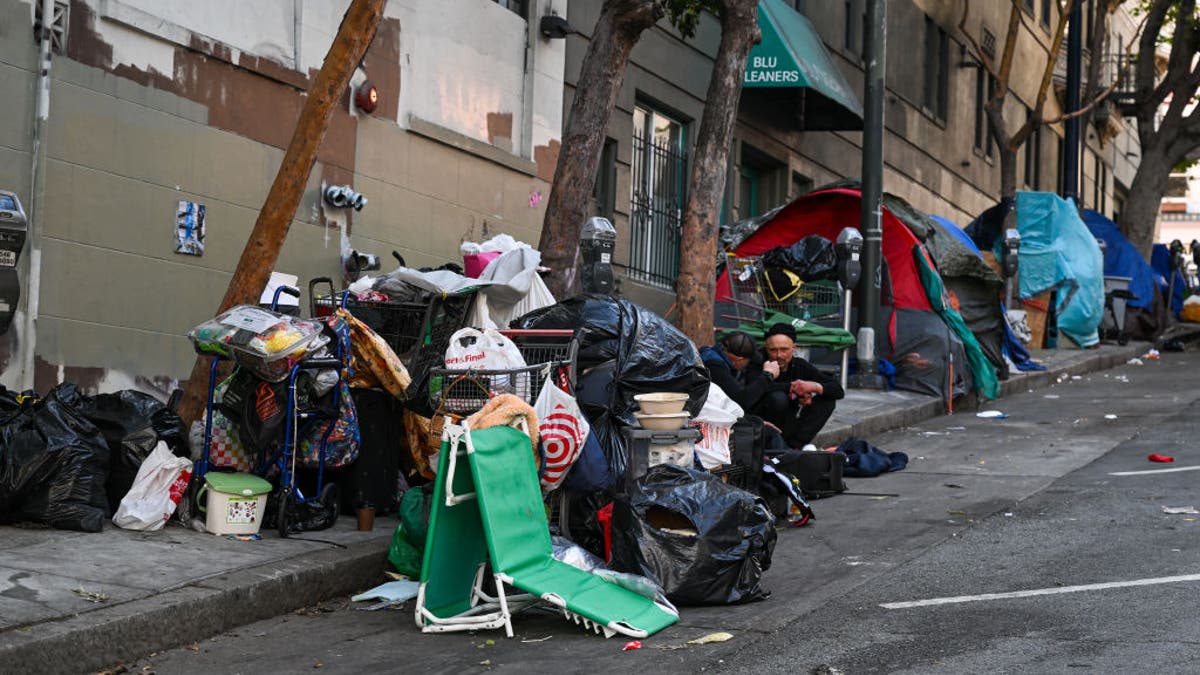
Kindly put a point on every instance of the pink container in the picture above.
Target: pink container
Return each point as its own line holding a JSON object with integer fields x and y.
{"x": 474, "y": 263}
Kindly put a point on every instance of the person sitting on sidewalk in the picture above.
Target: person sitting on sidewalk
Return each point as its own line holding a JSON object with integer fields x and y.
{"x": 732, "y": 367}
{"x": 801, "y": 398}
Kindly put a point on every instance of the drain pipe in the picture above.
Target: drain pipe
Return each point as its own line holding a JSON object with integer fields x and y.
{"x": 37, "y": 189}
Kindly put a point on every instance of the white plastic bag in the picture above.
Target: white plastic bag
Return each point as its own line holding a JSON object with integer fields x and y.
{"x": 715, "y": 421}
{"x": 562, "y": 429}
{"x": 157, "y": 489}
{"x": 474, "y": 349}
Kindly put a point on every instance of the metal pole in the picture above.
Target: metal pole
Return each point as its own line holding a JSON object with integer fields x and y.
{"x": 1070, "y": 177}
{"x": 27, "y": 340}
{"x": 846, "y": 327}
{"x": 872, "y": 188}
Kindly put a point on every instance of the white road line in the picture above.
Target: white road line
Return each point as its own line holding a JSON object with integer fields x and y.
{"x": 1148, "y": 471}
{"x": 1039, "y": 591}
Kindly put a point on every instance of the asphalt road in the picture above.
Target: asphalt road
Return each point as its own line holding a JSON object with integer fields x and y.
{"x": 987, "y": 506}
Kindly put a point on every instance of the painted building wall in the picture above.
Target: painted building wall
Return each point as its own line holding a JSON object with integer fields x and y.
{"x": 159, "y": 101}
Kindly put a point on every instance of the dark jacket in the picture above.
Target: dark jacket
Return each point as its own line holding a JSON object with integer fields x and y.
{"x": 799, "y": 369}
{"x": 745, "y": 387}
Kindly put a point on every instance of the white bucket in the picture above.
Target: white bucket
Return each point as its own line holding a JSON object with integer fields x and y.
{"x": 235, "y": 503}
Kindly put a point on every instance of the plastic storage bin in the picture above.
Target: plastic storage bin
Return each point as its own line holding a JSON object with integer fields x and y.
{"x": 236, "y": 502}
{"x": 265, "y": 342}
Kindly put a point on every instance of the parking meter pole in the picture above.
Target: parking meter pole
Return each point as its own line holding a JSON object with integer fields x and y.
{"x": 872, "y": 189}
{"x": 597, "y": 242}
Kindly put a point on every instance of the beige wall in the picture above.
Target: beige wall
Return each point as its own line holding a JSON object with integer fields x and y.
{"x": 126, "y": 142}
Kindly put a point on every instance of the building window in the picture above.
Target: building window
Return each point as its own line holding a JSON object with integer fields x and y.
{"x": 1033, "y": 156}
{"x": 517, "y": 6}
{"x": 852, "y": 26}
{"x": 658, "y": 185}
{"x": 1046, "y": 13}
{"x": 604, "y": 193}
{"x": 937, "y": 59}
{"x": 985, "y": 88}
{"x": 58, "y": 25}
{"x": 1099, "y": 179}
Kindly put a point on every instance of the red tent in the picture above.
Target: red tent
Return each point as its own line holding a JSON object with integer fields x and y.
{"x": 917, "y": 341}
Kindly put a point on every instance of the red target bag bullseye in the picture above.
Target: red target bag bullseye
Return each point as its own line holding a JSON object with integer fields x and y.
{"x": 563, "y": 430}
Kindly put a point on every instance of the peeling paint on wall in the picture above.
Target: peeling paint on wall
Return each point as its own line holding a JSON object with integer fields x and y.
{"x": 499, "y": 128}
{"x": 546, "y": 158}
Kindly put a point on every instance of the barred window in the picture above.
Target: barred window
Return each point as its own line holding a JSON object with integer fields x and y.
{"x": 659, "y": 188}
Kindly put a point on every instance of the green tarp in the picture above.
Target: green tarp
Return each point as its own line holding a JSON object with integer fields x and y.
{"x": 982, "y": 369}
{"x": 792, "y": 56}
{"x": 808, "y": 334}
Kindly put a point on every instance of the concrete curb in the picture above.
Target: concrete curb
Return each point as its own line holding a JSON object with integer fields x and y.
{"x": 97, "y": 639}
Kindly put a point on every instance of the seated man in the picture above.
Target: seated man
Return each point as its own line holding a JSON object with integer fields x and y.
{"x": 801, "y": 398}
{"x": 731, "y": 365}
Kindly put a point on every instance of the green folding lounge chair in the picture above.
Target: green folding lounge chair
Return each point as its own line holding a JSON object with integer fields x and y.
{"x": 506, "y": 507}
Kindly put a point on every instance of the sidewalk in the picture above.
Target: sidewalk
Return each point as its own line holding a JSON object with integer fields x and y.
{"x": 177, "y": 586}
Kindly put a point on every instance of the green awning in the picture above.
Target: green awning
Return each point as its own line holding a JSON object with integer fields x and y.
{"x": 792, "y": 57}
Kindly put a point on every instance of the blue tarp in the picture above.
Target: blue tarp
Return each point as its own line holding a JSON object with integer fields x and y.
{"x": 1121, "y": 259}
{"x": 958, "y": 233}
{"x": 1160, "y": 260}
{"x": 1058, "y": 252}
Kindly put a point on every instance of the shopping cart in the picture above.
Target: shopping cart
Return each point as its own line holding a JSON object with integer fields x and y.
{"x": 291, "y": 497}
{"x": 402, "y": 325}
{"x": 752, "y": 298}
{"x": 549, "y": 356}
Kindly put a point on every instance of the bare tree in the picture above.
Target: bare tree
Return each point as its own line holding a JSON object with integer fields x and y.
{"x": 706, "y": 185}
{"x": 1168, "y": 120}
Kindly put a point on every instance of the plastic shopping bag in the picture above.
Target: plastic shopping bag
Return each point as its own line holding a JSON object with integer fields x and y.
{"x": 474, "y": 349}
{"x": 157, "y": 489}
{"x": 563, "y": 430}
{"x": 715, "y": 421}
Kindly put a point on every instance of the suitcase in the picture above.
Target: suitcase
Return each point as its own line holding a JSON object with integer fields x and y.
{"x": 746, "y": 443}
{"x": 819, "y": 473}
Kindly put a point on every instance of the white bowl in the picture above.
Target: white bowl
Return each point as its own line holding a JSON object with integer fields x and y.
{"x": 663, "y": 421}
{"x": 661, "y": 403}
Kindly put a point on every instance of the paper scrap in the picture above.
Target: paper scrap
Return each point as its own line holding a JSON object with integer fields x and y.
{"x": 392, "y": 591}
{"x": 991, "y": 414}
{"x": 1185, "y": 510}
{"x": 1110, "y": 416}
{"x": 1134, "y": 362}
{"x": 632, "y": 644}
{"x": 710, "y": 638}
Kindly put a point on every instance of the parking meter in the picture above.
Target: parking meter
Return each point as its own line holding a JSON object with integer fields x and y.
{"x": 1011, "y": 253}
{"x": 849, "y": 270}
{"x": 849, "y": 250}
{"x": 13, "y": 229}
{"x": 597, "y": 242}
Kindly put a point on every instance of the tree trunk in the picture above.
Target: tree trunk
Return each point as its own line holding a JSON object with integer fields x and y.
{"x": 620, "y": 26}
{"x": 701, "y": 217}
{"x": 1145, "y": 197}
{"x": 262, "y": 250}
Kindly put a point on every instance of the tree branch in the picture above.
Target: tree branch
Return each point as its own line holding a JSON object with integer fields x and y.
{"x": 1145, "y": 71}
{"x": 1035, "y": 119}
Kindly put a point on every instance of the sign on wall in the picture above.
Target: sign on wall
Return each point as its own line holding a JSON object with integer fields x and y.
{"x": 189, "y": 228}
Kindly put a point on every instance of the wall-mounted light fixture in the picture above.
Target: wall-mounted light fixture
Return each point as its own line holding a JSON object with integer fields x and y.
{"x": 366, "y": 97}
{"x": 555, "y": 27}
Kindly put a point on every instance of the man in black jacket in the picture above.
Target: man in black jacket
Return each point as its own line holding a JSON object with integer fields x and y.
{"x": 800, "y": 399}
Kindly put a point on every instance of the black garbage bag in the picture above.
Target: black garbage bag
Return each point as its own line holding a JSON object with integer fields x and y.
{"x": 812, "y": 258}
{"x": 132, "y": 424}
{"x": 650, "y": 354}
{"x": 53, "y": 464}
{"x": 704, "y": 541}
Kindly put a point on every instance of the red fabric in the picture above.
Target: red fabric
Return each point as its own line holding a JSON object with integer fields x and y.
{"x": 604, "y": 515}
{"x": 1160, "y": 458}
{"x": 826, "y": 213}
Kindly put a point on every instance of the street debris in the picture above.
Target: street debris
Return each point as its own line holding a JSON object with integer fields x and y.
{"x": 825, "y": 669}
{"x": 1181, "y": 510}
{"x": 632, "y": 644}
{"x": 711, "y": 638}
{"x": 1155, "y": 457}
{"x": 1008, "y": 514}
{"x": 1152, "y": 354}
{"x": 956, "y": 428}
{"x": 1051, "y": 396}
{"x": 1076, "y": 377}
{"x": 90, "y": 596}
{"x": 1110, "y": 416}
{"x": 392, "y": 591}
{"x": 485, "y": 662}
{"x": 530, "y": 640}
{"x": 1134, "y": 362}
{"x": 954, "y": 485}
{"x": 992, "y": 414}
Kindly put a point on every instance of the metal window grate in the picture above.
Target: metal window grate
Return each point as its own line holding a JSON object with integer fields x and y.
{"x": 656, "y": 218}
{"x": 58, "y": 26}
